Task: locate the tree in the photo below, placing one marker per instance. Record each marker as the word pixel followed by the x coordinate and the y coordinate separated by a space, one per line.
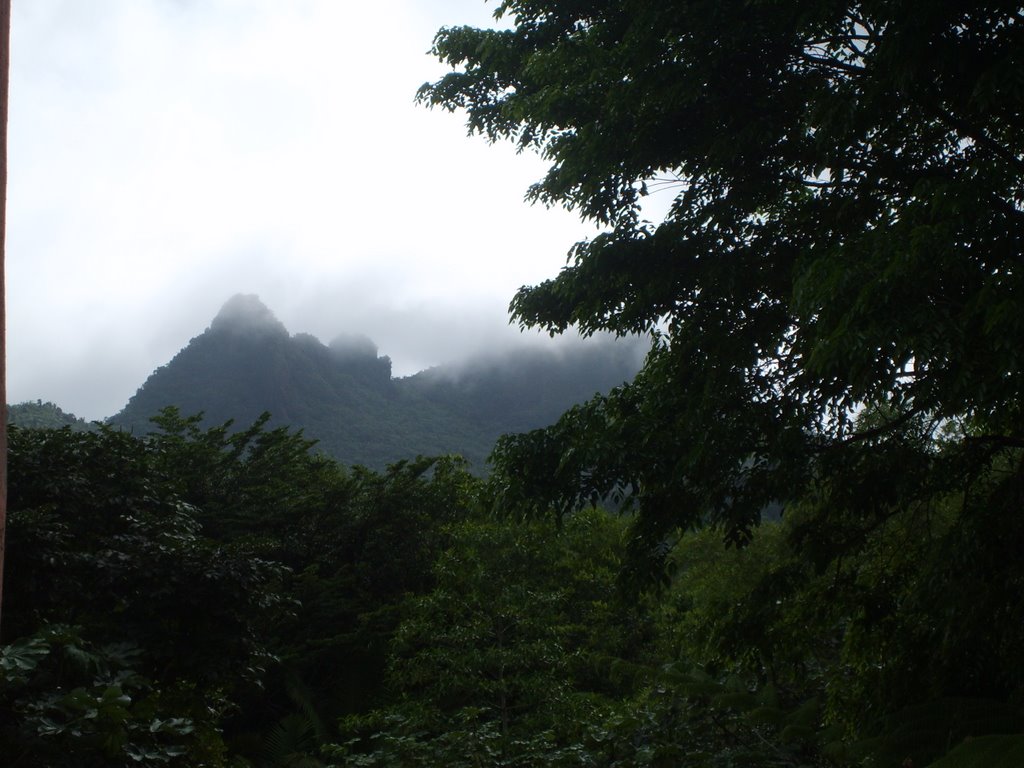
pixel 133 635
pixel 845 230
pixel 355 542
pixel 504 661
pixel 835 293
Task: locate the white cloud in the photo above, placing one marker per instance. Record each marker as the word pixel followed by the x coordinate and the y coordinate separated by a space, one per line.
pixel 166 154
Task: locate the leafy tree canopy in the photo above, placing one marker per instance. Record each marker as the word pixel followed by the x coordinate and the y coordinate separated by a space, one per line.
pixel 845 213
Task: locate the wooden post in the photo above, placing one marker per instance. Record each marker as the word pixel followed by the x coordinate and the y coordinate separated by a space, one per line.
pixel 5 80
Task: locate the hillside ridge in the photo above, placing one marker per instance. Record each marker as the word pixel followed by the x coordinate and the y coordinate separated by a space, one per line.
pixel 344 396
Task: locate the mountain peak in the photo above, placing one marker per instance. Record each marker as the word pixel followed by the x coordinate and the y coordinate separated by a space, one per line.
pixel 245 313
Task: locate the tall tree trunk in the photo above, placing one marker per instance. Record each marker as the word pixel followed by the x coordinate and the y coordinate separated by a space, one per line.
pixel 5 79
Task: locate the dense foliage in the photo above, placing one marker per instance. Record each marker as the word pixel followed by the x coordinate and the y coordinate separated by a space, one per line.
pixel 109 579
pixel 835 383
pixel 229 597
pixel 835 297
pixel 177 596
pixel 845 231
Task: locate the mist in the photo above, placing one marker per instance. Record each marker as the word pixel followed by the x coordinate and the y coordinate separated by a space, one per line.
pixel 161 162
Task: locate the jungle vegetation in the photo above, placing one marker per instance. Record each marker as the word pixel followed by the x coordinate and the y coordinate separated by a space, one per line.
pixel 817 477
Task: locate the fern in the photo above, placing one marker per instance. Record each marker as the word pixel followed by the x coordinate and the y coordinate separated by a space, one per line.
pixel 290 744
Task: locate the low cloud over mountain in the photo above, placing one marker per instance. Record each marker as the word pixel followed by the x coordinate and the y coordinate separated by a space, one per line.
pixel 344 394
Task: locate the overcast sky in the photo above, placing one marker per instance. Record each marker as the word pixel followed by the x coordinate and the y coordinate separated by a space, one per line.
pixel 167 154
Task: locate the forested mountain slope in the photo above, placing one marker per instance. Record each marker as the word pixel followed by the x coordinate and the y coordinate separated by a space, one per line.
pixel 343 394
pixel 40 415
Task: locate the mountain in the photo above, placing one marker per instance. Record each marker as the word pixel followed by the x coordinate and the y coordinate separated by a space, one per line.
pixel 343 394
pixel 40 415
